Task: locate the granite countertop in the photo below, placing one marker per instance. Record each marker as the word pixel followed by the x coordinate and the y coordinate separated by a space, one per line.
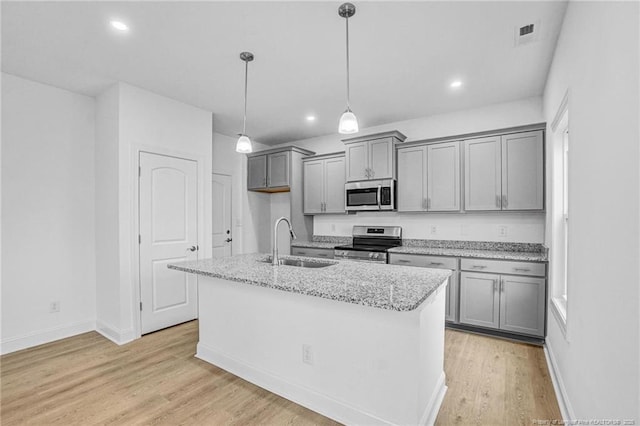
pixel 391 287
pixel 474 253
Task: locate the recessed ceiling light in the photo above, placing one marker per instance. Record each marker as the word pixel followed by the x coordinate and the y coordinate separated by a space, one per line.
pixel 311 118
pixel 119 25
pixel 456 84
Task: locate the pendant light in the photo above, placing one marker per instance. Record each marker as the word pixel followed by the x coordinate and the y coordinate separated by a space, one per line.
pixel 348 121
pixel 244 143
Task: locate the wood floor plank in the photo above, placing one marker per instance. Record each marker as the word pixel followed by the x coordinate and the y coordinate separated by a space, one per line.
pixel 156 380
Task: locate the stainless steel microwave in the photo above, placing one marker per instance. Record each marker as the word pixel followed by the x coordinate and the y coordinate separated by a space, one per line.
pixel 370 195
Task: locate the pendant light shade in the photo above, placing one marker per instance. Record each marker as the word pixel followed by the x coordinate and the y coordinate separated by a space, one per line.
pixel 348 122
pixel 244 143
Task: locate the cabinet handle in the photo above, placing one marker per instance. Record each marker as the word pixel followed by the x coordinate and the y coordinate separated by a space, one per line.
pixel 300 252
pixel 497 201
pixel 505 204
pixel 366 172
pixel 501 285
pixel 428 203
pixel 478 267
pixel 495 285
pixel 403 261
pixel 436 263
pixel 372 172
pixel 522 269
pixel 323 255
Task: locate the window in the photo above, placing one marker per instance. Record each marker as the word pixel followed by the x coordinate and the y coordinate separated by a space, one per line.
pixel 559 217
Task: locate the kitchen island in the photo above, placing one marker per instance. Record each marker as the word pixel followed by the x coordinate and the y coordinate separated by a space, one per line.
pixel 360 343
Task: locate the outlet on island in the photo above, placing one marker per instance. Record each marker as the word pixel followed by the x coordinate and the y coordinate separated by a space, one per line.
pixel 307 354
pixel 54 307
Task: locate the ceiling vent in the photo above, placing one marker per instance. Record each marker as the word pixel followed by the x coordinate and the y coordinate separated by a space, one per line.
pixel 527 33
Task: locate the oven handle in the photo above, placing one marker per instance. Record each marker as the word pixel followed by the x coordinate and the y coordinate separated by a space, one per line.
pixel 379 196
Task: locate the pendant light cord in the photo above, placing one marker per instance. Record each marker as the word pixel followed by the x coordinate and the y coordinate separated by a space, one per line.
pixel 348 104
pixel 246 72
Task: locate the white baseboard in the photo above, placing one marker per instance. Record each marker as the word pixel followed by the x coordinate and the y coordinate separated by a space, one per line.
pixel 431 412
pixel 309 398
pixel 119 337
pixel 36 338
pixel 563 398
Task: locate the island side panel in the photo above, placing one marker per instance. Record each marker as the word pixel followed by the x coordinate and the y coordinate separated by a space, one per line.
pixel 369 366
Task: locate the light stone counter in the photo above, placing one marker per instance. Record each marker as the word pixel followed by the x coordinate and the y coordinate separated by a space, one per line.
pixel 390 287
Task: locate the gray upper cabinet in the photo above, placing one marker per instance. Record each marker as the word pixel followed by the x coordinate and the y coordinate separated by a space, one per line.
pixel 371 157
pixel 278 169
pixel 257 172
pixel 324 178
pixel 270 170
pixel 504 172
pixel 412 179
pixel 429 177
pixel 522 171
pixel 482 174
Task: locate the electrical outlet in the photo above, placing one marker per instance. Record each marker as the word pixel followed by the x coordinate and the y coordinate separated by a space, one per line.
pixel 433 230
pixel 502 231
pixel 307 354
pixel 54 307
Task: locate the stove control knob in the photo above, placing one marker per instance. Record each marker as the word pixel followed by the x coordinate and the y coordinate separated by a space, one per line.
pixel 371 255
pixel 374 255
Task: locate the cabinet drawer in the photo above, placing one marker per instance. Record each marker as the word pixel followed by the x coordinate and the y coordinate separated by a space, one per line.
pixel 312 252
pixel 435 262
pixel 503 267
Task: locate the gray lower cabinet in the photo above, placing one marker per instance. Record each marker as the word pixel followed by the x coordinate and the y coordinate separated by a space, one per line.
pixel 513 303
pixel 436 262
pixel 312 252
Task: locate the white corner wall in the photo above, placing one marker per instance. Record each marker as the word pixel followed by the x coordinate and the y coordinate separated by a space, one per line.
pixel 521 227
pixel 48 231
pixel 250 226
pixel 596 60
pixel 134 120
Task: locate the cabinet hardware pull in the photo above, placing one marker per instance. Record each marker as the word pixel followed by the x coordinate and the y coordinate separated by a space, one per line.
pixel 404 261
pixel 478 266
pixel 522 269
pixel 373 172
pixel 497 201
pixel 428 203
pixel 505 204
pixel 436 263
pixel 495 285
pixel 501 285
pixel 323 255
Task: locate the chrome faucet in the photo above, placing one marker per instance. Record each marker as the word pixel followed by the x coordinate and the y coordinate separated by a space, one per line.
pixel 274 254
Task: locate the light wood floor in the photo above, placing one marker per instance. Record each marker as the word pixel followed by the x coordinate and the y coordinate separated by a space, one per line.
pixel 87 380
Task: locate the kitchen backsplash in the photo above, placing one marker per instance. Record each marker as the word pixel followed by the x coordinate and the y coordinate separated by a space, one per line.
pixel 502 227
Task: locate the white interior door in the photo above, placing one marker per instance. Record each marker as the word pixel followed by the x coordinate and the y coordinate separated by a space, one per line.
pixel 168 212
pixel 222 235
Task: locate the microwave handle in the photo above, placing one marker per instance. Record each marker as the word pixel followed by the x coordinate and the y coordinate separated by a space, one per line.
pixel 379 196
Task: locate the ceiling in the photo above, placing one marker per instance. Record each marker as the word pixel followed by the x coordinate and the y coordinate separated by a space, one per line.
pixel 404 55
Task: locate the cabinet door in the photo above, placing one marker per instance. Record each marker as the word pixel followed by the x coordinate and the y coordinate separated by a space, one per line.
pixel 278 170
pixel 482 174
pixel 334 185
pixel 412 179
pixel 443 177
pixel 257 172
pixel 357 158
pixel 522 304
pixel 479 299
pixel 313 176
pixel 451 309
pixel 381 158
pixel 522 171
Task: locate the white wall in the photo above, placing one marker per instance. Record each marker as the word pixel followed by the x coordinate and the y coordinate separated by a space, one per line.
pixel 596 60
pixel 250 227
pixel 149 122
pixel 521 227
pixel 47 213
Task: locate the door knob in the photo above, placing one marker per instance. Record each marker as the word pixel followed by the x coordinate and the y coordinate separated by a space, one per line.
pixel 193 248
pixel 228 240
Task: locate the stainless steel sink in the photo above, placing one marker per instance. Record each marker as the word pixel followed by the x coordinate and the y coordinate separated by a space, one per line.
pixel 300 263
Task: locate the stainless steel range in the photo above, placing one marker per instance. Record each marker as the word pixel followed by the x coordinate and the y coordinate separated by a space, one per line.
pixel 370 243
